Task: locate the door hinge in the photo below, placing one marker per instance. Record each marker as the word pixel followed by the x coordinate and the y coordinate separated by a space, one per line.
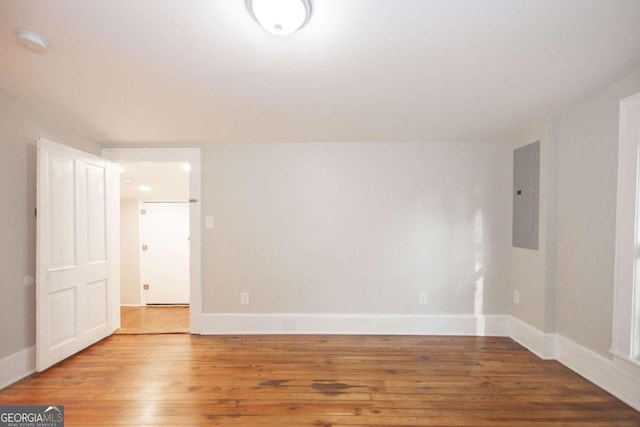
pixel 145 247
pixel 145 286
pixel 143 211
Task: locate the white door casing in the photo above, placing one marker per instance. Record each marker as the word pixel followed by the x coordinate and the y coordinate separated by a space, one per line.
pixel 164 264
pixel 77 251
pixel 626 335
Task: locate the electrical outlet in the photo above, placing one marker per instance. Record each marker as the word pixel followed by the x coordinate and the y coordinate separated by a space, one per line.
pixel 244 298
pixel 516 297
pixel 423 298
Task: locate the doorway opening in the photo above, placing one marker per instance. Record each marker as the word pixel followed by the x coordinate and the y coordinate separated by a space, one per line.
pixel 160 239
pixel 154 247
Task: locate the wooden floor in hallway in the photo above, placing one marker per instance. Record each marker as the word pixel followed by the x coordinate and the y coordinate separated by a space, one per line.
pixel 181 379
pixel 152 319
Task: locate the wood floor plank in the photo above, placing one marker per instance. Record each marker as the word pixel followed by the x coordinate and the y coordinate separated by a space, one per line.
pixel 154 320
pixel 169 380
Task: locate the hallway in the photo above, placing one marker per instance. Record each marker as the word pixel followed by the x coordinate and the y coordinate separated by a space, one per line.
pixel 154 320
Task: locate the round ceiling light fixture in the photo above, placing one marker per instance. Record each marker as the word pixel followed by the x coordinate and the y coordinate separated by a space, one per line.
pixel 32 41
pixel 280 17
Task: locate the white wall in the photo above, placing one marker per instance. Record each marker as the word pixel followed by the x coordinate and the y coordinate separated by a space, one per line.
pixel 355 228
pixel 130 252
pixel 588 150
pixel 567 285
pixel 20 125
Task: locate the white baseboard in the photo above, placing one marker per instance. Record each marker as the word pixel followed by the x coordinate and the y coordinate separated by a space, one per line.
pixel 539 343
pixel 131 305
pixel 16 366
pixel 622 379
pixel 617 376
pixel 352 324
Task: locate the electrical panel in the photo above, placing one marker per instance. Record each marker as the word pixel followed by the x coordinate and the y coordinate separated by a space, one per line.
pixel 526 195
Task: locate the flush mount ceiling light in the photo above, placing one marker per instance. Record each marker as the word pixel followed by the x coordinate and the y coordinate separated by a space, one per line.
pixel 31 41
pixel 280 17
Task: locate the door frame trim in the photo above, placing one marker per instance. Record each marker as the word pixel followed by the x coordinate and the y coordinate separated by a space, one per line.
pixel 191 155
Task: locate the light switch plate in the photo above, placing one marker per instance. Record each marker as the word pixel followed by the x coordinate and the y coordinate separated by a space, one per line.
pixel 208 222
pixel 423 298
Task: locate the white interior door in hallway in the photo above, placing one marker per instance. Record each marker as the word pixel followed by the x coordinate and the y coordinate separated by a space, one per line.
pixel 78 259
pixel 164 257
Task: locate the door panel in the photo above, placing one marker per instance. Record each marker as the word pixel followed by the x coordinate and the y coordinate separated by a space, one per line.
pixel 164 229
pixel 77 278
pixel 62 212
pixel 63 327
pixel 97 307
pixel 96 215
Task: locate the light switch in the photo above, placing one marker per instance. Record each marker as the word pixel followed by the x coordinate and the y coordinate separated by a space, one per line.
pixel 208 223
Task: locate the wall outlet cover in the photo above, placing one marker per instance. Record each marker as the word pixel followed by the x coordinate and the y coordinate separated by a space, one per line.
pixel 244 298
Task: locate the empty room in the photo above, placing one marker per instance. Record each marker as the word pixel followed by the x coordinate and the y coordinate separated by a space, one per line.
pixel 371 212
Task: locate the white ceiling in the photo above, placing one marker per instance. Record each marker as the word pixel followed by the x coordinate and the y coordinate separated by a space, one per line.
pixel 184 71
pixel 165 181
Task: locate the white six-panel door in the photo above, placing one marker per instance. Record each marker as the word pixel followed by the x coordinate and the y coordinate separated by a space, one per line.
pixel 77 252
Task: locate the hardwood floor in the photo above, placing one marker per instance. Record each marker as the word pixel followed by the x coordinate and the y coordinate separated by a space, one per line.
pixel 154 320
pixel 317 381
